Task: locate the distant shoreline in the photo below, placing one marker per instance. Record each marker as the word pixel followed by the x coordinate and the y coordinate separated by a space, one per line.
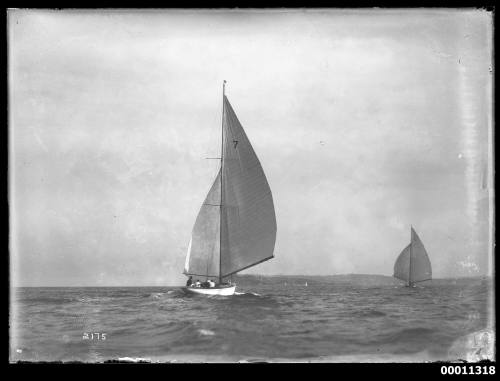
pixel 258 277
pixel 356 274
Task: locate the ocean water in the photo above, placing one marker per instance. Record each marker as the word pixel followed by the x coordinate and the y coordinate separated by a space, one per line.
pixel 339 318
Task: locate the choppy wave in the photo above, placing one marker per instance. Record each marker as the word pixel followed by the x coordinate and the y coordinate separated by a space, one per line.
pixel 206 332
pixel 265 321
pixel 246 293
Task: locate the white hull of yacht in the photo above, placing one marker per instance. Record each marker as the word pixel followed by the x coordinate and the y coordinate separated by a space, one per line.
pixel 223 291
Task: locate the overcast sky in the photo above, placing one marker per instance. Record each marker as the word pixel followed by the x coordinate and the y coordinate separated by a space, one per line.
pixel 365 122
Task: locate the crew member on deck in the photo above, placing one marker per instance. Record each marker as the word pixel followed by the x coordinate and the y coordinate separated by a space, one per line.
pixel 197 284
pixel 189 281
pixel 211 283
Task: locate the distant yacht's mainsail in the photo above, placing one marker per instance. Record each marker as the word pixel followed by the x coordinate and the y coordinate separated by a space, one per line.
pixel 413 264
pixel 236 225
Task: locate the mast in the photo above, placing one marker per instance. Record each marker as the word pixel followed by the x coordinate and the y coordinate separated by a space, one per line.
pixel 411 243
pixel 221 181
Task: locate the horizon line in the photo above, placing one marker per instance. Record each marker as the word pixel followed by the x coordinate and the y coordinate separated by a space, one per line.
pixel 254 275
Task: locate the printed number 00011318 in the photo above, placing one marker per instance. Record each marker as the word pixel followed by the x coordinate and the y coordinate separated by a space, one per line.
pixel 468 369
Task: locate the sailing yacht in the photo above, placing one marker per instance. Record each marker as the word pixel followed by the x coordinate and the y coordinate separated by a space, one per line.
pixel 236 225
pixel 413 264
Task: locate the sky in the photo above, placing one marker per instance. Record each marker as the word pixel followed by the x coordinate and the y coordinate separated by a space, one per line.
pixel 366 122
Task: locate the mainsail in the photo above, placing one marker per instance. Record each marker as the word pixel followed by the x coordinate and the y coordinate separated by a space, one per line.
pixel 248 219
pixel 236 226
pixel 413 264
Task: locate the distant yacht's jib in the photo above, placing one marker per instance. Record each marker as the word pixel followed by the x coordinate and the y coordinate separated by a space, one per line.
pixel 413 264
pixel 236 225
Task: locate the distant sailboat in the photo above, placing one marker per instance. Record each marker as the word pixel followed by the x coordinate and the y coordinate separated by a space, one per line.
pixel 236 225
pixel 413 264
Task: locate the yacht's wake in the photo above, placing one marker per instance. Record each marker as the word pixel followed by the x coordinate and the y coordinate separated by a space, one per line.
pixel 246 293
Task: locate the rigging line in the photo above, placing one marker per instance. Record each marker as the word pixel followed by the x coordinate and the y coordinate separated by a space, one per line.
pixel 246 267
pixel 213 142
